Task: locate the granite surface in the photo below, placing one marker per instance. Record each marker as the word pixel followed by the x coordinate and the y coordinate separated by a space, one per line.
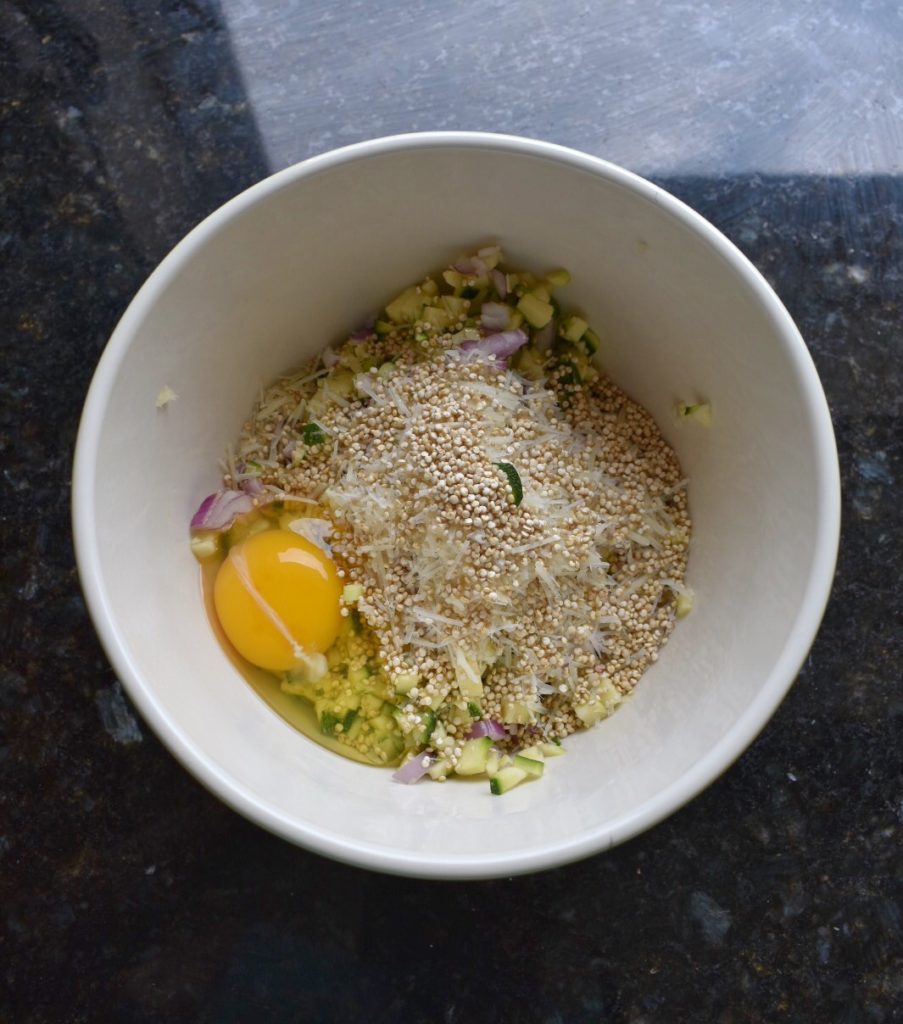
pixel 127 892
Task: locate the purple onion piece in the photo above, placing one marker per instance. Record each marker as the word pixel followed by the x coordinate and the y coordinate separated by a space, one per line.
pixel 472 267
pixel 494 316
pixel 487 727
pixel 252 485
pixel 329 358
pixel 365 330
pixel 501 283
pixel 219 511
pixel 497 346
pixel 411 772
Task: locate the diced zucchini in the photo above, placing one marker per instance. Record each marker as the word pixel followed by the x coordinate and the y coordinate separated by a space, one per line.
pixel 358 676
pixel 383 327
pixel 474 756
pixel 526 282
pixel 454 280
pixel 352 593
pixel 529 362
pixel 505 779
pixel 536 312
pixel 592 712
pixel 426 728
pixel 205 545
pixel 407 307
pixel 701 412
pixel 436 317
pixel 439 735
pixel 542 293
pixel 493 762
pixel 515 712
pixel 354 730
pixel 573 328
pixel 330 721
pixel 590 342
pixel 552 749
pixel 439 769
pixel 683 604
pixel 405 682
pixel 530 765
pixel 490 255
pixel 341 383
pixel 456 306
pixel 299 687
pixel 558 278
pixel 429 288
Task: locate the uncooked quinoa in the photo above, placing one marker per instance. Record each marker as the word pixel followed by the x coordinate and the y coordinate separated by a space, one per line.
pixel 509 528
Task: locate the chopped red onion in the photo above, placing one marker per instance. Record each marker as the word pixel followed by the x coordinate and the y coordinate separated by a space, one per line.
pixel 414 769
pixel 365 330
pixel 219 511
pixel 500 281
pixel 252 485
pixel 487 727
pixel 329 357
pixel 473 266
pixel 498 346
pixel 494 316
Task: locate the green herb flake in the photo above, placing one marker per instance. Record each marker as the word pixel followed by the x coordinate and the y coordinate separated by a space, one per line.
pixel 514 481
pixel 313 434
pixel 328 722
pixel 473 709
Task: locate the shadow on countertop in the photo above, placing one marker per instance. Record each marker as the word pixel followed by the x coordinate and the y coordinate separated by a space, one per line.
pixel 128 893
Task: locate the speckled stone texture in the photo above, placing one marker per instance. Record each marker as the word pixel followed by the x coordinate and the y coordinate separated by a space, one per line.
pixel 127 892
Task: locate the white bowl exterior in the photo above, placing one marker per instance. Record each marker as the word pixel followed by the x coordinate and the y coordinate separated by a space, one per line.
pixel 295 263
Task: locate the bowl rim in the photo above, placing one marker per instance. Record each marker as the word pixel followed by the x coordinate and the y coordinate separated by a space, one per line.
pixel 374 856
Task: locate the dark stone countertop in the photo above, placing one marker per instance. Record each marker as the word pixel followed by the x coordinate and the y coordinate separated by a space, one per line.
pixel 127 892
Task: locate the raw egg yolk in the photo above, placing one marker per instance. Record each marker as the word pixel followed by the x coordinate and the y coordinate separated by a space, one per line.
pixel 277 598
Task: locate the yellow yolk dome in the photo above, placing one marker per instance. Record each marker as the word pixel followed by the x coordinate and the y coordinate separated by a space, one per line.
pixel 277 596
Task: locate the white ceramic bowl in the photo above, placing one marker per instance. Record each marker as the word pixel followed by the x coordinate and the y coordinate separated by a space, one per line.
pixel 297 261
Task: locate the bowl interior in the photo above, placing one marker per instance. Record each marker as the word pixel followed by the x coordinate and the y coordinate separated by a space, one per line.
pixel 297 263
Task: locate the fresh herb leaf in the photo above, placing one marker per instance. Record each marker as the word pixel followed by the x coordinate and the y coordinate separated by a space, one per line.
pixel 328 722
pixel 473 709
pixel 514 481
pixel 313 434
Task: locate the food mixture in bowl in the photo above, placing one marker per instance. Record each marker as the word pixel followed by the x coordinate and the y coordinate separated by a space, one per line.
pixel 451 534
